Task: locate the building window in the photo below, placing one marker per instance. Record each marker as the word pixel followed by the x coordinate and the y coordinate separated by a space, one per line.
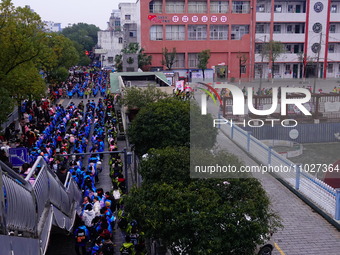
pixel 260 8
pixel 277 29
pixel 110 59
pixel 258 48
pixel 179 63
pixel 277 8
pixel 331 48
pixel 288 48
pixel 175 32
pixel 241 7
pixel 156 33
pixel 332 28
pixel 117 23
pixel 290 8
pixel 219 6
pixel 334 8
pixel 243 69
pixel 132 33
pixel 197 7
pixel 197 32
pixel 260 28
pixel 276 69
pixel 155 7
pixel 127 17
pixel 330 68
pixel 238 31
pixel 174 7
pixel 289 29
pixel 287 71
pixel 120 40
pixel 218 32
pixel 193 60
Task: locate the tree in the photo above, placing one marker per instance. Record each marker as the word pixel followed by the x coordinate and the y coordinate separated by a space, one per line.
pixel 213 216
pixel 272 51
pixel 160 124
pixel 169 58
pixel 203 59
pixel 167 122
pixel 119 63
pixel 137 98
pixel 85 37
pixel 58 56
pixel 144 60
pixel 167 165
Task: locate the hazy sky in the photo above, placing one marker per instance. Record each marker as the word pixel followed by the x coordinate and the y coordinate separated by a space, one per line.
pixel 95 12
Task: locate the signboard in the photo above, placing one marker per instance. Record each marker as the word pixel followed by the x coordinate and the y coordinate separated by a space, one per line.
pixel 100 51
pixel 18 156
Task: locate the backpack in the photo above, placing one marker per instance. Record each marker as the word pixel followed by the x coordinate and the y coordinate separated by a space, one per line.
pixel 81 236
pixel 116 194
pixel 108 248
pixel 126 250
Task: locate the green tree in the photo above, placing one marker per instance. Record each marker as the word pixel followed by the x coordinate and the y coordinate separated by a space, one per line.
pixel 85 38
pixel 59 55
pixel 272 51
pixel 161 124
pixel 205 216
pixel 169 58
pixel 137 98
pixel 167 165
pixel 144 60
pixel 203 59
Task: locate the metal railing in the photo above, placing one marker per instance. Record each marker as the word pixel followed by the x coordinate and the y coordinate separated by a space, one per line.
pixel 29 207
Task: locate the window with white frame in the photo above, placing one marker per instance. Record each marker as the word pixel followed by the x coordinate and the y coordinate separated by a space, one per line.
pixel 219 6
pixel 238 31
pixel 290 8
pixel 277 29
pixel 278 8
pixel 174 6
pixel 241 7
pixel 289 29
pixel 127 17
pixel 197 32
pixel 260 8
pixel 175 32
pixel 288 48
pixel 197 6
pixel 243 69
pixel 334 8
pixel 179 63
pixel 120 40
pixel 218 32
pixel 276 69
pixel 193 60
pixel 260 28
pixel 258 48
pixel 330 68
pixel 332 28
pixel 155 6
pixel 156 33
pixel 287 71
pixel 331 48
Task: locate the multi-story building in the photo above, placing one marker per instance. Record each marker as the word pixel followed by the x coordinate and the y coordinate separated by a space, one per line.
pixel 121 30
pixel 51 26
pixel 235 32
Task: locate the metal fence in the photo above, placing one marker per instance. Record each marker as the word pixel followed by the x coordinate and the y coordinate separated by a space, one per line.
pixel 29 207
pixel 321 194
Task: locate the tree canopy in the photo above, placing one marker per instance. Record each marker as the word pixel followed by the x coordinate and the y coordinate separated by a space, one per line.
pixel 203 59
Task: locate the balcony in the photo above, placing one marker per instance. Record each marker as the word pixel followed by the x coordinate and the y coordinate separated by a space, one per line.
pixel 289 37
pixel 334 56
pixel 334 37
pixel 291 57
pixel 335 17
pixel 262 17
pixel 290 17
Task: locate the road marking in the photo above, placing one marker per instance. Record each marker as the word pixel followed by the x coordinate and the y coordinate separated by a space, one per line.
pixel 279 249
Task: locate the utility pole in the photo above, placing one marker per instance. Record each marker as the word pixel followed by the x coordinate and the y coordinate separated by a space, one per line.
pixel 262 55
pixel 317 64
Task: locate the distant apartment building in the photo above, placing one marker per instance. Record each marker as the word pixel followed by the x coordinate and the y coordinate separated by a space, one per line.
pixel 51 26
pixel 235 32
pixel 121 30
